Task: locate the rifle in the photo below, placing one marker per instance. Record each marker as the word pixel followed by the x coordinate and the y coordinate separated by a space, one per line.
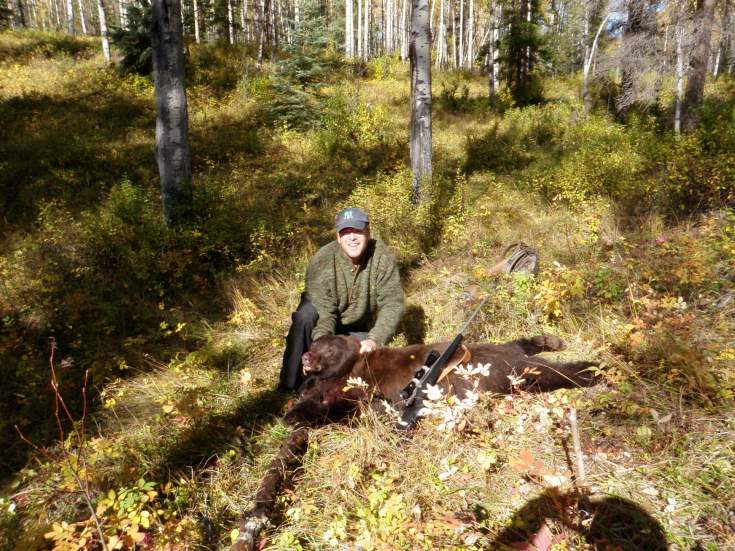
pixel 415 393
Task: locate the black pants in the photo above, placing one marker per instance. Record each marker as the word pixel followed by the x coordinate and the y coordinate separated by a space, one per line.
pixel 298 341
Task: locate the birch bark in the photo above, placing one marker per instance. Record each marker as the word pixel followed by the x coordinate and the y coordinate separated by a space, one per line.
pixel 420 55
pixel 103 30
pixel 230 23
pixel 70 16
pixel 81 16
pixel 587 66
pixel 678 34
pixel 349 30
pixel 197 37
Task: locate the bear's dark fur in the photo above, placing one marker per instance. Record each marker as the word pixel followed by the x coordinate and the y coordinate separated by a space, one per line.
pixel 333 359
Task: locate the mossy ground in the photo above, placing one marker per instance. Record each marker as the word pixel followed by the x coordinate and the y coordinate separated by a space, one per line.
pixel 183 331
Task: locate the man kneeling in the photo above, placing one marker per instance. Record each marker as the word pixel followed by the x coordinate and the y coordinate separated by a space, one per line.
pixel 353 287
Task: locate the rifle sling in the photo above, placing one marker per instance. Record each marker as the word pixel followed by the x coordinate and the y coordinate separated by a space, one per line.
pixel 466 357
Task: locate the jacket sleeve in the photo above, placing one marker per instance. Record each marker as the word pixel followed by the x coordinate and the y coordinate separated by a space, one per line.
pixel 321 292
pixel 390 301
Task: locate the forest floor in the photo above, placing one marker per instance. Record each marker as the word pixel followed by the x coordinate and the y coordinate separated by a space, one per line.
pixel 183 332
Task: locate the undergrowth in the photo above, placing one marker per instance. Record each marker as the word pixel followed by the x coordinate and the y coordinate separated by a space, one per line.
pixel 182 331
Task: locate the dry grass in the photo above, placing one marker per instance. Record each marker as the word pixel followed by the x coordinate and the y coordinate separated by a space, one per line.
pixel 208 420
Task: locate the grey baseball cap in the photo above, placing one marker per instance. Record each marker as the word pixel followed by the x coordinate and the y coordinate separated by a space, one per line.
pixel 351 218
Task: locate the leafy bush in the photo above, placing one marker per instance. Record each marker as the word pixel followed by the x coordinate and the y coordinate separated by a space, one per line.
pixel 386 67
pixel 411 231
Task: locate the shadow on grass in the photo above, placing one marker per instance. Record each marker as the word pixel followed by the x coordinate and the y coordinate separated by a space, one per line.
pixel 70 149
pixel 606 522
pixel 199 445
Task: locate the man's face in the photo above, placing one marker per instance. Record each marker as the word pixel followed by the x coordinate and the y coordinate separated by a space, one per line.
pixel 353 242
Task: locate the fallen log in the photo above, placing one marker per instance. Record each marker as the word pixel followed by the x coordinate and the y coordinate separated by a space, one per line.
pixel 289 458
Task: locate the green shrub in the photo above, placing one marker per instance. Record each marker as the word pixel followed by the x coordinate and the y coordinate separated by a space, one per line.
pixel 409 230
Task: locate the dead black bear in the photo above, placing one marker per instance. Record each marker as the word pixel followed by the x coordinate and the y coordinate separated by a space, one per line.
pixel 333 359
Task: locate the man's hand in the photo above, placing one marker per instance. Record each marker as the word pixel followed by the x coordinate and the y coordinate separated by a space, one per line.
pixel 368 345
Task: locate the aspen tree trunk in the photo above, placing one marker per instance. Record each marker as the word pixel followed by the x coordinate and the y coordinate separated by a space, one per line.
pixel 244 20
pixel 698 63
pixel 349 30
pixel 70 16
pixel 261 30
pixel 404 30
pixel 123 14
pixel 57 13
pixel 366 30
pixel 420 55
pixel 527 67
pixel 492 80
pixel 103 30
pixel 359 30
pixel 716 65
pixel 230 23
pixel 471 36
pixel 394 25
pixel 81 16
pixel 461 33
pixel 172 120
pixel 441 55
pixel 496 40
pixel 453 17
pixel 587 65
pixel 586 31
pixel 678 32
pixel 20 19
pixel 267 22
pixel 195 8
pixel 297 13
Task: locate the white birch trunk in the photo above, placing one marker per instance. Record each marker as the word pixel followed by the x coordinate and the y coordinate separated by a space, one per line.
pixel 123 14
pixel 588 64
pixel 453 17
pixel 81 16
pixel 57 13
pixel 471 36
pixel 366 29
pixel 678 32
pixel 461 34
pixel 496 38
pixel 172 121
pixel 244 20
pixel 349 30
pixel 359 30
pixel 261 30
pixel 420 54
pixel 230 23
pixel 197 36
pixel 103 30
pixel 70 16
pixel 441 46
pixel 716 65
pixel 404 30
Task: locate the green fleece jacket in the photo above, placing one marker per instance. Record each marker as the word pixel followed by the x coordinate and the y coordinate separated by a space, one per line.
pixel 369 294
